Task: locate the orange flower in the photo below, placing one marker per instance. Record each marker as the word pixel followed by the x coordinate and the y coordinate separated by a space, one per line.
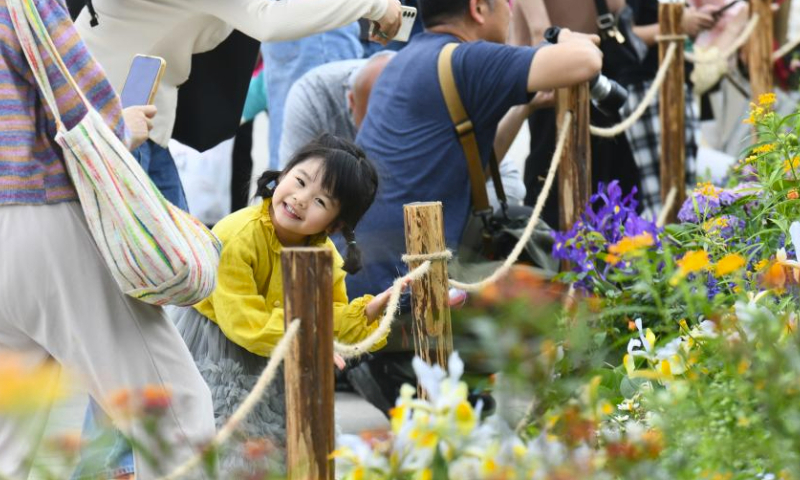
pixel 729 264
pixel 631 245
pixel 793 195
pixel 155 398
pixel 775 277
pixel 691 262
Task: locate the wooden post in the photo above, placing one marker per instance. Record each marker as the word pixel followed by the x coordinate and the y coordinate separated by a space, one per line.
pixel 308 295
pixel 759 49
pixel 575 169
pixel 672 108
pixel 433 333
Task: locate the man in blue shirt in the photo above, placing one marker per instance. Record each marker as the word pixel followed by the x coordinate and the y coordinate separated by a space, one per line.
pixel 408 132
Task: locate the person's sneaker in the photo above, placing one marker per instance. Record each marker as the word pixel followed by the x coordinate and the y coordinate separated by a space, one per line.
pixel 360 377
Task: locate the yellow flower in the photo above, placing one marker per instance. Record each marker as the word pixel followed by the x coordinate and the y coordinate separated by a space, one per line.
pixel 791 165
pixel 465 418
pixel 693 262
pixel 766 99
pixel 766 148
pixel 690 263
pixel 25 390
pixel 729 263
pixel 756 113
pixel 631 245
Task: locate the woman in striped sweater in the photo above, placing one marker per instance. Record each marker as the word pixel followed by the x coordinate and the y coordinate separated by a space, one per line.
pixel 58 302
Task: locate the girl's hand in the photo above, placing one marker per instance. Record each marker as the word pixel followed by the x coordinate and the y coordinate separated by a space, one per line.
pixel 378 304
pixel 139 121
pixel 338 361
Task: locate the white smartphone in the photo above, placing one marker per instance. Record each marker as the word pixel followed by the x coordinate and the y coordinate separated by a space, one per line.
pixel 408 15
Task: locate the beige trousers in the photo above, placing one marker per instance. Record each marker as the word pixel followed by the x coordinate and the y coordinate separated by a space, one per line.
pixel 59 302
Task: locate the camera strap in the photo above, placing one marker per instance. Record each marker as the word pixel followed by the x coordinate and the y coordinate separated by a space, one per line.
pixel 466 136
pixel 607 22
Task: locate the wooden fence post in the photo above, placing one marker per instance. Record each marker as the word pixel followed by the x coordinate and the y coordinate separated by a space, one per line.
pixel 308 295
pixel 672 108
pixel 575 169
pixel 759 49
pixel 433 333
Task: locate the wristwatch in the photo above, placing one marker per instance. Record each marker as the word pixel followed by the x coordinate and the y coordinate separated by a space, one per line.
pixel 551 34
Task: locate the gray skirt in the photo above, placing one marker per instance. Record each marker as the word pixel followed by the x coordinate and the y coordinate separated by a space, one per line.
pixel 231 372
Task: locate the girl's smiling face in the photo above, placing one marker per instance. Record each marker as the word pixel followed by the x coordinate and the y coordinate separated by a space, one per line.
pixel 301 207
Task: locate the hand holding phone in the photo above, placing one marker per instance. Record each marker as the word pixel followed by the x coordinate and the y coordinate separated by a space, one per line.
pixel 142 81
pixel 408 15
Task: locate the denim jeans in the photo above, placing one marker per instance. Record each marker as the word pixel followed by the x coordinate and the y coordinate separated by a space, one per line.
pixel 109 452
pixel 160 166
pixel 285 62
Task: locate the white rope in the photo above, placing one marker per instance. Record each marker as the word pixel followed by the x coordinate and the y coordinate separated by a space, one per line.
pixel 537 211
pixel 786 48
pixel 266 377
pixel 389 314
pixel 662 217
pixel 646 101
pixel 736 45
pixel 423 257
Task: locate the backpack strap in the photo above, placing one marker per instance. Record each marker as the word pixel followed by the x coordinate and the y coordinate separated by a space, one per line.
pixel 466 136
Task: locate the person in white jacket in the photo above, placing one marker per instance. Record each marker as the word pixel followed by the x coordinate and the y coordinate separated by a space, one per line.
pixel 116 30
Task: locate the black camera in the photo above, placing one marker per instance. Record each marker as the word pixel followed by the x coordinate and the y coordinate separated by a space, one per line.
pixel 607 95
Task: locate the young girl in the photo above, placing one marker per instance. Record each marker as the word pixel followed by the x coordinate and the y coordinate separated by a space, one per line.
pixel 327 187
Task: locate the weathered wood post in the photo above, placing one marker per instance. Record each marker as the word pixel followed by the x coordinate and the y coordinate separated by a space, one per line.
pixel 759 49
pixel 575 169
pixel 308 295
pixel 672 108
pixel 433 333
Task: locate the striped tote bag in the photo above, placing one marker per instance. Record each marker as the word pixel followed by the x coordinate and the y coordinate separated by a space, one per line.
pixel 156 252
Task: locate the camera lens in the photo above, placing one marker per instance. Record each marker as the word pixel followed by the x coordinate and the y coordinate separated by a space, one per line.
pixel 608 96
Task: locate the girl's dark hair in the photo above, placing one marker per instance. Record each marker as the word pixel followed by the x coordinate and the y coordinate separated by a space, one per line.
pixel 349 177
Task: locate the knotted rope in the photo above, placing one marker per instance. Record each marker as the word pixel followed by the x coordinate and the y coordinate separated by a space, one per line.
pixel 264 380
pixel 646 101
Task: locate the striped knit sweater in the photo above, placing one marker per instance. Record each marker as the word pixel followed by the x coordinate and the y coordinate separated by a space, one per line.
pixel 31 165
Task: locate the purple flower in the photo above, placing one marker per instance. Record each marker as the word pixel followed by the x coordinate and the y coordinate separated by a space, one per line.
pixel 608 217
pixel 707 200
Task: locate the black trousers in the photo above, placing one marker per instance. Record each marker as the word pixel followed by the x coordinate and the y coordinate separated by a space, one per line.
pixel 611 160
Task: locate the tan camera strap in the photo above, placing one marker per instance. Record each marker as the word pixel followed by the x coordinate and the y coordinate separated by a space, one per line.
pixel 466 135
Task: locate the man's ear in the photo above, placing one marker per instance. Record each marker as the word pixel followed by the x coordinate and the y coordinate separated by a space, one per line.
pixel 477 11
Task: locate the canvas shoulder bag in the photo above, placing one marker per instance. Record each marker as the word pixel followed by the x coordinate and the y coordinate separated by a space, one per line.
pixel 489 234
pixel 156 252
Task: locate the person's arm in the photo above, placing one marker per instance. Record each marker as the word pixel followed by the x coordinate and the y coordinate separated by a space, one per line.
pixel 350 322
pixel 528 22
pixel 509 126
pixel 240 310
pixel 272 21
pixel 301 122
pixel 574 59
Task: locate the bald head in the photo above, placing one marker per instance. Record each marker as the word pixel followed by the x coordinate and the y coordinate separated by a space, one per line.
pixel 361 84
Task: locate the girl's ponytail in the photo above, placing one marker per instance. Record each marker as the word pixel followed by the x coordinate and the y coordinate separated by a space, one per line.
pixel 266 179
pixel 352 259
